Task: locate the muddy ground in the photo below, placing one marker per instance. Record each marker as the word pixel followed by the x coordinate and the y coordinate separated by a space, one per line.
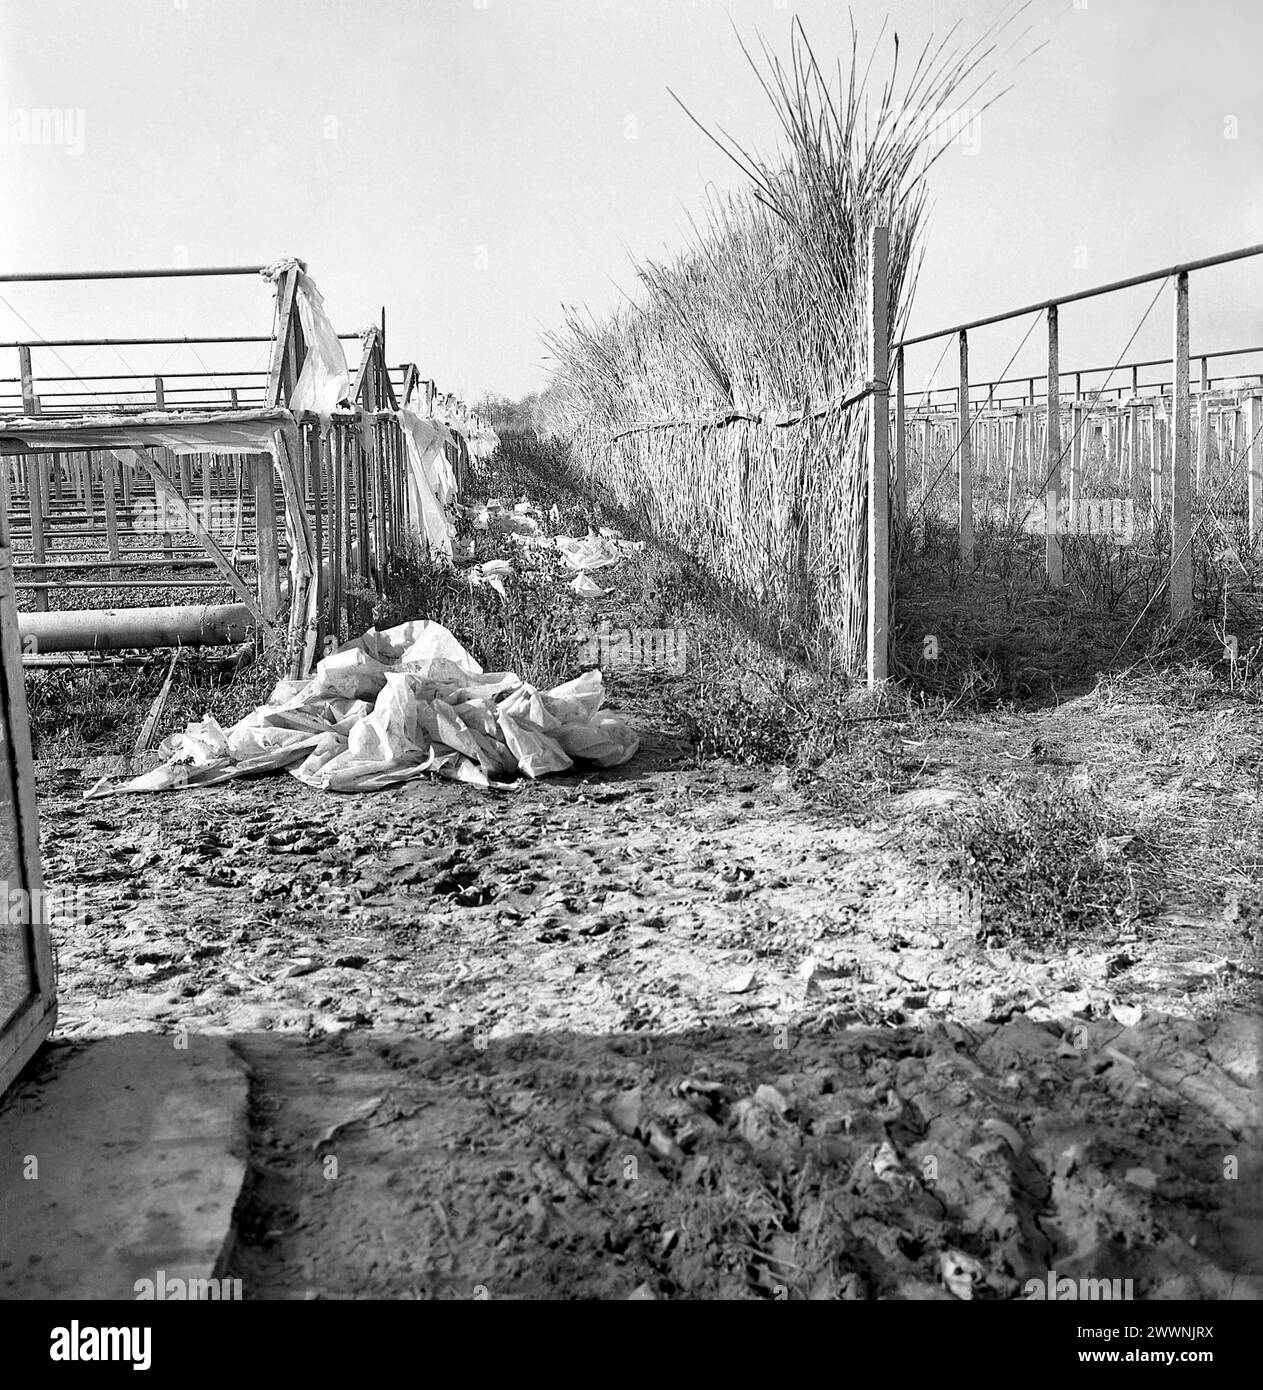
pixel 671 1031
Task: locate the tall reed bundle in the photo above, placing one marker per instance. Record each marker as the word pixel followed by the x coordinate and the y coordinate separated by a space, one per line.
pixel 765 314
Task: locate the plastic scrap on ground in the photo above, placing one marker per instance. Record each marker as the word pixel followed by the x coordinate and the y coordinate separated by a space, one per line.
pixel 586 588
pixel 521 523
pixel 491 573
pixel 389 707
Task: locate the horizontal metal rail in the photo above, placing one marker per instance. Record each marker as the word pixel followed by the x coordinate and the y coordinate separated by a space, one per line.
pixel 1030 378
pixel 147 342
pixel 1107 397
pixel 138 376
pixel 167 273
pixel 46 585
pixel 116 563
pixel 1183 268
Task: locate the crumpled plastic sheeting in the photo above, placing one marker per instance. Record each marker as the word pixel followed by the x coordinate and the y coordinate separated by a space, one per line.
pixel 483 441
pixel 491 572
pixel 518 520
pixel 586 588
pixel 324 380
pixel 431 482
pixel 594 552
pixel 392 706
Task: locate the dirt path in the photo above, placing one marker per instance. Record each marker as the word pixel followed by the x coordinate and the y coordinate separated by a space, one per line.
pixel 669 1032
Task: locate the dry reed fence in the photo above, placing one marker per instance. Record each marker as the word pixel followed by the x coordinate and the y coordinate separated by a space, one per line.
pixel 726 404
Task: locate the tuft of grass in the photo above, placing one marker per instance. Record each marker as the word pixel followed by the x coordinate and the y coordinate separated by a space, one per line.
pixel 98 711
pixel 1047 862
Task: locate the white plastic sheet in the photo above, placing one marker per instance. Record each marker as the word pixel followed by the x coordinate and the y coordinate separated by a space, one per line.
pixel 586 587
pixel 593 552
pixel 390 707
pixel 324 380
pixel 431 484
pixel 493 573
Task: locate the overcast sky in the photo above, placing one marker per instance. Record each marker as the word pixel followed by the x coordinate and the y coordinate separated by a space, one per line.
pixel 473 164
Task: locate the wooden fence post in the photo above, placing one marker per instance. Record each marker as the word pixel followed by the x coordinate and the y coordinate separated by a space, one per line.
pixel 1052 457
pixel 925 459
pixel 314 446
pixel 109 471
pixel 1076 466
pixel 1203 431
pixel 901 443
pixel 1181 514
pixel 878 635
pixel 965 456
pixel 1013 441
pixel 265 547
pixel 37 501
pixel 336 490
pixel 30 404
pixel 1254 466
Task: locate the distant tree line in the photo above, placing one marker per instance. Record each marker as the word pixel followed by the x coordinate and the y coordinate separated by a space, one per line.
pixel 509 416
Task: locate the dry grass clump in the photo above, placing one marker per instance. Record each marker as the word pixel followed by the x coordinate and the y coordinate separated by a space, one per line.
pixel 760 321
pixel 1040 857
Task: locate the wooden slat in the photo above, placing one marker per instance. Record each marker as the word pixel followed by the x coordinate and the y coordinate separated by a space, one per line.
pixel 336 489
pixel 267 559
pixel 36 497
pixel 109 469
pixel 31 1021
pixel 901 440
pixel 286 293
pixel 1076 463
pixel 6 501
pixel 1254 423
pixel 30 405
pixel 316 489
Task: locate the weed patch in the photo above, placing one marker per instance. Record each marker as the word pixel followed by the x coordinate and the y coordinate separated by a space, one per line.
pixel 1047 863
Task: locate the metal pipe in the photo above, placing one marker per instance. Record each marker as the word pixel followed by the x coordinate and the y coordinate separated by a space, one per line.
pixel 143 342
pixel 113 629
pixel 138 583
pixel 139 376
pixel 80 663
pixel 115 562
pixel 168 273
pixel 1183 268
